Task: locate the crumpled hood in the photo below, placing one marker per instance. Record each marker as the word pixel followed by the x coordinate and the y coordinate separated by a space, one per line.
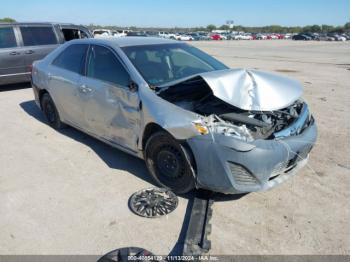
pixel 253 89
pixel 249 89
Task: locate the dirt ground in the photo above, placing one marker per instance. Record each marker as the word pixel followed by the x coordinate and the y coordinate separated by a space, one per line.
pixel 67 193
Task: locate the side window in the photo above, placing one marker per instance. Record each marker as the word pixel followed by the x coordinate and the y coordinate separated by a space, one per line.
pixel 38 35
pixel 70 34
pixel 72 58
pixel 103 65
pixel 7 37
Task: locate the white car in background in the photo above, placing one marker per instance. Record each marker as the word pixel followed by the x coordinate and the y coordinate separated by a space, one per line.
pixel 183 37
pixel 242 37
pixel 288 36
pixel 340 38
pixel 167 35
pixel 122 33
pixel 103 33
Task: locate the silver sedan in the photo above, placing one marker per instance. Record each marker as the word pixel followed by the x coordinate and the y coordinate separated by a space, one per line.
pixel 196 123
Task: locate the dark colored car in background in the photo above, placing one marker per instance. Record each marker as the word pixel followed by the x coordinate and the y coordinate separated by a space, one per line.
pixel 302 37
pixel 23 43
pixel 134 33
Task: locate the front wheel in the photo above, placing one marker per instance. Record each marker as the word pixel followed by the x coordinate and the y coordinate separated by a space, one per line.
pixel 169 163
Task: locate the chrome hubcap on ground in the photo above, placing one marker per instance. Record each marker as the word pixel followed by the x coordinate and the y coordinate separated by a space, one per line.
pixel 153 202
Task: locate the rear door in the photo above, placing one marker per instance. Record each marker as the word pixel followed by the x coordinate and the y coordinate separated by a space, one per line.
pixel 111 108
pixel 37 42
pixel 64 76
pixel 11 59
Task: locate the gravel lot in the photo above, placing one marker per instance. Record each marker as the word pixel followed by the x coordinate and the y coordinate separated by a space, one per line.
pixel 67 193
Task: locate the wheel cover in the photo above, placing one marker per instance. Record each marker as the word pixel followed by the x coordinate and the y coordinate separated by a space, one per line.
pixel 153 202
pixel 123 254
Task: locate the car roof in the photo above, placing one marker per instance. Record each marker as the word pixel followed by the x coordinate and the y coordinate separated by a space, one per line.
pixel 126 41
pixel 39 23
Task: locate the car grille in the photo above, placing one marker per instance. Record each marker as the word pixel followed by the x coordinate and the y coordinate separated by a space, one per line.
pixel 242 176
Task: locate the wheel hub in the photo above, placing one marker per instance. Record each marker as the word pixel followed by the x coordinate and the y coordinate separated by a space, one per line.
pixel 168 163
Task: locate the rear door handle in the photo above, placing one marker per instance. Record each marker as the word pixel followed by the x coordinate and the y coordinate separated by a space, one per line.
pixel 28 52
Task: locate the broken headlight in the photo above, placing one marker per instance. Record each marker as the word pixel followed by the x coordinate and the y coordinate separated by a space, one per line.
pixel 239 132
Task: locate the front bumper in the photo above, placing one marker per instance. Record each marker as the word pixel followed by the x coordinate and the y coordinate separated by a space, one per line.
pixel 231 166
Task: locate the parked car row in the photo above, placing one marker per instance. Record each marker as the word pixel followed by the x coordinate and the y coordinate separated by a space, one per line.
pixel 203 36
pixel 23 43
pixel 322 37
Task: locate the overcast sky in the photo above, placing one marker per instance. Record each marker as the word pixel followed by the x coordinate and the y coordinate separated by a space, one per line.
pixel 171 13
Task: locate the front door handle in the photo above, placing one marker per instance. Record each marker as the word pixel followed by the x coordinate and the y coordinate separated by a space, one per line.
pixel 28 52
pixel 14 53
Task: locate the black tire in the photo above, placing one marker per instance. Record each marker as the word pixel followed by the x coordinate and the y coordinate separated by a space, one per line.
pixel 169 163
pixel 50 112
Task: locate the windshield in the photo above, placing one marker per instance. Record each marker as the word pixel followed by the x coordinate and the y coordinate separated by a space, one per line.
pixel 163 63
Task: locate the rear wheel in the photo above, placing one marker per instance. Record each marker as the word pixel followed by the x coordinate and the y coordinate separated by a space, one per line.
pixel 169 163
pixel 51 112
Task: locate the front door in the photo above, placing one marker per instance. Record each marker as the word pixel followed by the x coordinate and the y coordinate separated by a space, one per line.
pixel 111 109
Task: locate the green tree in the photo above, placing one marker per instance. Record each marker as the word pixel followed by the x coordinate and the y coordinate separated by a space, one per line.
pixel 327 28
pixel 224 27
pixel 240 28
pixel 7 20
pixel 347 26
pixel 211 27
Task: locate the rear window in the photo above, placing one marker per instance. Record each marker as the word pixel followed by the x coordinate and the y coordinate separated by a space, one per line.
pixel 38 35
pixel 7 37
pixel 72 58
